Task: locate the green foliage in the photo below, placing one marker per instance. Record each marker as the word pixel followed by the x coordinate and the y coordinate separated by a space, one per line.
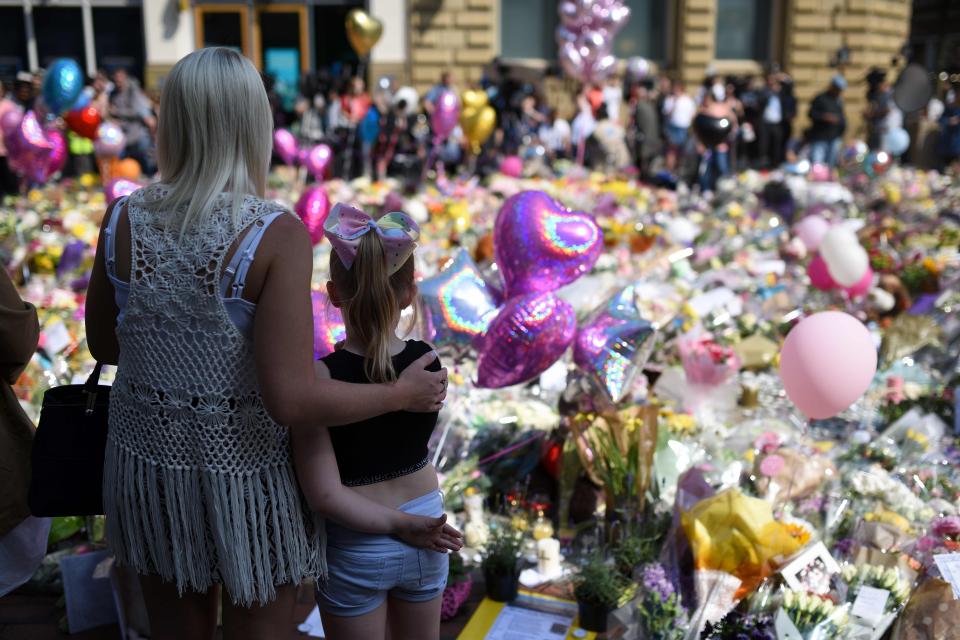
pixel 502 551
pixel 634 551
pixel 599 583
pixel 457 572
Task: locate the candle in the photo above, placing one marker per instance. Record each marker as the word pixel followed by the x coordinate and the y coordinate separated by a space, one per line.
pixel 548 556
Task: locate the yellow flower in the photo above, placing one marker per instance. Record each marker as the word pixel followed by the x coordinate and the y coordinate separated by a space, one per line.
pixel 735 210
pixel 930 265
pixel 918 437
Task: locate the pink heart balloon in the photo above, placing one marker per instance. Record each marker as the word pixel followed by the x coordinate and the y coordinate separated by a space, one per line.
pixel 313 207
pixel 541 246
pixel 58 155
pixel 285 146
pixel 317 159
pixel 328 327
pixel 529 334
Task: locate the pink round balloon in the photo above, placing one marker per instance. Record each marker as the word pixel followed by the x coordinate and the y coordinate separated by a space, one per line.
pixel 819 274
pixel 446 115
pixel 863 286
pixel 10 121
pixel 511 166
pixel 827 362
pixel 811 231
pixel 110 140
pixel 317 159
pixel 313 207
pixel 328 328
pixel 820 173
pixel 119 187
pixel 529 334
pixel 541 246
pixel 285 146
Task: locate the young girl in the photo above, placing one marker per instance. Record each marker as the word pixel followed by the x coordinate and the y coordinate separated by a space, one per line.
pixel 375 580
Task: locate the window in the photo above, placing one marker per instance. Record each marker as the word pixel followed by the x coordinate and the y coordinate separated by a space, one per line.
pixel 59 32
pixel 743 30
pixel 118 38
pixel 527 29
pixel 13 44
pixel 644 34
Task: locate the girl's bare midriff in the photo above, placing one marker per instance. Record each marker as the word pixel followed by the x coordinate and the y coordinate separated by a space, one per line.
pixel 393 493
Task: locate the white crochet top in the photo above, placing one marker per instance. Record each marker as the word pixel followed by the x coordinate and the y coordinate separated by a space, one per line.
pixel 198 482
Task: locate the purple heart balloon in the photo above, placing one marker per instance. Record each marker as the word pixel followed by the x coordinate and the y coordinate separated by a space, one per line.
pixel 529 334
pixel 328 327
pixel 58 155
pixel 446 114
pixel 541 246
pixel 313 207
pixel 285 146
pixel 317 159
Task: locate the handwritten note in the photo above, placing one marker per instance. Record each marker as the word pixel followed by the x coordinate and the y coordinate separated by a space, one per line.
pixel 870 603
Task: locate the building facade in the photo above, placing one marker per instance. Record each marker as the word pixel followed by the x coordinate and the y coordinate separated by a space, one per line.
pixel 810 39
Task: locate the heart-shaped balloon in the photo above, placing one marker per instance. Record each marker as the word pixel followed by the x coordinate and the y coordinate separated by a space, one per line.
pixel 458 304
pixel 473 99
pixel 313 207
pixel 84 122
pixel 328 327
pixel 529 334
pixel 541 246
pixel 119 187
pixel 58 154
pixel 478 125
pixel 317 159
pixel 363 31
pixel 615 344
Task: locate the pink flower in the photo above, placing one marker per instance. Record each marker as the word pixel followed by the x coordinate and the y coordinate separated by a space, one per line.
pixel 948 527
pixel 767 442
pixel 894 391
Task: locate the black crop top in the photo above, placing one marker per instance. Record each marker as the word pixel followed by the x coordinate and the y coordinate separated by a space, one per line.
pixel 387 446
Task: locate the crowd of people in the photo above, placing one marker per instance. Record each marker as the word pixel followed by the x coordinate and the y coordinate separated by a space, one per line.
pixel 644 124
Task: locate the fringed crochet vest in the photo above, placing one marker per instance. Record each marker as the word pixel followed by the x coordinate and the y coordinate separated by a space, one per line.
pixel 198 483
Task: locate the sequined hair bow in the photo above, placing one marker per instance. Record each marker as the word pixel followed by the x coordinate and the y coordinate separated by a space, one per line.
pixel 346 225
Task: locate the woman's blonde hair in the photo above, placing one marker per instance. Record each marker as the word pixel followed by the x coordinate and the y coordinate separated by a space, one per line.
pixel 370 300
pixel 214 133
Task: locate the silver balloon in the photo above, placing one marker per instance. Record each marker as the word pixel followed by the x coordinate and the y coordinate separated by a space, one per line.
pixel 615 344
pixel 458 305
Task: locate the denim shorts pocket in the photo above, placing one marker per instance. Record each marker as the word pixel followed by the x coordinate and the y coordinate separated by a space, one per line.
pixel 433 567
pixel 356 578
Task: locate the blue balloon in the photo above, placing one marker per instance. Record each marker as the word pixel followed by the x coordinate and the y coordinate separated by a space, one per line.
pixel 62 85
pixel 896 141
pixel 369 127
pixel 83 100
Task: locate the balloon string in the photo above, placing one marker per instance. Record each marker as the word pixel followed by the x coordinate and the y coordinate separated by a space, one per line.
pixel 430 158
pixel 510 449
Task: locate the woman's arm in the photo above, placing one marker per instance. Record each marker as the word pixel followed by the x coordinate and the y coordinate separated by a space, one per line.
pixel 101 308
pixel 319 477
pixel 283 345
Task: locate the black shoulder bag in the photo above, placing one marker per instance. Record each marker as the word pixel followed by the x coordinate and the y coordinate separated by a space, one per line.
pixel 68 450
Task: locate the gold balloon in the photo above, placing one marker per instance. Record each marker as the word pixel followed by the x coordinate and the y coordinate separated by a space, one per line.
pixel 756 352
pixel 473 99
pixel 363 31
pixel 477 125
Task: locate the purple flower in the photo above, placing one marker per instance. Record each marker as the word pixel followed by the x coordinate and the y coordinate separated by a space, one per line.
pixel 948 527
pixel 845 547
pixel 655 580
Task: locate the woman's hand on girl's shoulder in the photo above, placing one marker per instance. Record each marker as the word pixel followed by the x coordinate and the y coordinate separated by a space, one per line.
pixel 420 390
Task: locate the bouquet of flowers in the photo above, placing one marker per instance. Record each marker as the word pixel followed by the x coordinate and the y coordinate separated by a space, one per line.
pixel 706 362
pixel 661 616
pixel 814 614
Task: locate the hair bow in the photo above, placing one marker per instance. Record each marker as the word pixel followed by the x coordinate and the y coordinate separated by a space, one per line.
pixel 346 225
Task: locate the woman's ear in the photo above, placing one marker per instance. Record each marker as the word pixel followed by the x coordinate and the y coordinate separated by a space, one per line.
pixel 332 294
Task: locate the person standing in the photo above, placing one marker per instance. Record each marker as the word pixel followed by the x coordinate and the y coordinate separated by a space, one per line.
pixel 829 123
pixel 647 142
pixel 715 160
pixel 200 294
pixel 131 108
pixel 772 125
pixel 433 96
pixel 554 135
pixel 679 110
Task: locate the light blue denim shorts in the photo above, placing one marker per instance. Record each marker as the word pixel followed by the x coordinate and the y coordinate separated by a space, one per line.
pixel 364 568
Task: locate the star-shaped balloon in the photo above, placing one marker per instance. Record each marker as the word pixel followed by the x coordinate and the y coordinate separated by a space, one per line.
pixel 614 344
pixel 458 305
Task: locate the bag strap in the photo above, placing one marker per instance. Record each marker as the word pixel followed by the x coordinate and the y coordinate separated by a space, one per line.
pixel 91 388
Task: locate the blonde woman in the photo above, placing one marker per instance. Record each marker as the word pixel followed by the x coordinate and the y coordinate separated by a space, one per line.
pixel 201 294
